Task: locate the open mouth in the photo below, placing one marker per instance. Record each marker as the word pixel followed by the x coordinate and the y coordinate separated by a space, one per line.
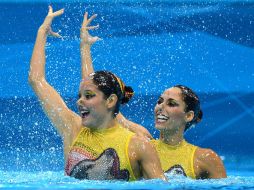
pixel 160 118
pixel 84 112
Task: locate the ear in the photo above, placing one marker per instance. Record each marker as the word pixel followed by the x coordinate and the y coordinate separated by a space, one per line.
pixel 111 101
pixel 189 116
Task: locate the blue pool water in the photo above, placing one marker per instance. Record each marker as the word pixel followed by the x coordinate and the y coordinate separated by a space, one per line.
pixel 207 45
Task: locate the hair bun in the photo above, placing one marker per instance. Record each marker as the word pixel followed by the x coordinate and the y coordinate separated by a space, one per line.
pixel 128 93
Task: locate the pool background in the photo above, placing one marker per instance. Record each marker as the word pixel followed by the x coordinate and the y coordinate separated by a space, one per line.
pixel 151 45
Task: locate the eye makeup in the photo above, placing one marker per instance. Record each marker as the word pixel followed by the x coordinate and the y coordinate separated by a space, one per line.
pixel 172 102
pixel 89 94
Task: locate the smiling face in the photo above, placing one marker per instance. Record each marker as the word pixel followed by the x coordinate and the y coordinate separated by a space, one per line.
pixel 170 110
pixel 92 105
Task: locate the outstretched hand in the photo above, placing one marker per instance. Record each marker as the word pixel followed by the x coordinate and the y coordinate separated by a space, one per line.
pixel 85 37
pixel 46 26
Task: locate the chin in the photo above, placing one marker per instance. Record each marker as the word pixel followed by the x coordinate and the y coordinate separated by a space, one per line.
pixel 86 123
pixel 164 126
pixel 90 125
pixel 159 126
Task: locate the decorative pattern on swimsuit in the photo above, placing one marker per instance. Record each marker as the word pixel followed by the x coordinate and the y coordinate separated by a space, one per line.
pixel 177 159
pixel 105 167
pixel 100 155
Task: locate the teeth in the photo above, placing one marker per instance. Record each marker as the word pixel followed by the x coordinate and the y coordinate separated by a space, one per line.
pixel 162 117
pixel 83 110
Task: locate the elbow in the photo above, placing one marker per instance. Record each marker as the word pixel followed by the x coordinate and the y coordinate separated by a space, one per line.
pixel 30 79
pixel 33 80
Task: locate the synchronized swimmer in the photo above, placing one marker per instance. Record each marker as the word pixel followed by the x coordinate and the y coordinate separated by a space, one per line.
pixel 100 143
pixel 96 146
pixel 177 109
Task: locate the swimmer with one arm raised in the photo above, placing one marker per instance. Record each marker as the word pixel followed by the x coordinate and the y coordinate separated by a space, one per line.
pixel 96 146
pixel 87 68
pixel 177 109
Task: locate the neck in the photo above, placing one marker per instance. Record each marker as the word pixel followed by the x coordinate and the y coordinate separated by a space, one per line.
pixel 110 123
pixel 171 137
pixel 106 123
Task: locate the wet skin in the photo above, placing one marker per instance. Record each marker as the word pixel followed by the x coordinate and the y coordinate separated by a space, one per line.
pixel 92 105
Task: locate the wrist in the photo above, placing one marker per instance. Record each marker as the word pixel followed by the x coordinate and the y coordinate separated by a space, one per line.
pixel 85 44
pixel 42 30
pixel 85 47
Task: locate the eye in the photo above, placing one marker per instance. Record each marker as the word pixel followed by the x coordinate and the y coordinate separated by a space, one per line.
pixel 89 95
pixel 160 100
pixel 172 103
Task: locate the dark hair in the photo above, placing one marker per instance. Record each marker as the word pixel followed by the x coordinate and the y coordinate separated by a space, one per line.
pixel 109 84
pixel 192 103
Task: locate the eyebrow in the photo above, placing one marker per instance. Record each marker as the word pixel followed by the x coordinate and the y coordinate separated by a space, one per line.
pixel 87 91
pixel 173 100
pixel 90 92
pixel 170 99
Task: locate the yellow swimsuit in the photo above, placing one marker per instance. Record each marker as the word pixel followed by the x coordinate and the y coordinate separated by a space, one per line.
pixel 176 159
pixel 101 155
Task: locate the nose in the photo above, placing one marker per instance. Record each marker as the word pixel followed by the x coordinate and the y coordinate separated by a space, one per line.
pixel 159 107
pixel 80 101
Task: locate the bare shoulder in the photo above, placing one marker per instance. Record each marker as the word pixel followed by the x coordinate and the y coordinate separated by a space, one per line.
pixel 144 159
pixel 138 141
pixel 141 147
pixel 204 154
pixel 208 164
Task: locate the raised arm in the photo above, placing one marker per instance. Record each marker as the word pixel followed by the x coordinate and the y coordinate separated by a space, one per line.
pixel 86 41
pixel 87 67
pixel 55 108
pixel 208 165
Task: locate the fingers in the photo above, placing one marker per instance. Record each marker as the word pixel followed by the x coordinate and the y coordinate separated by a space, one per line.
pixel 50 9
pixel 97 38
pixel 91 19
pixel 58 13
pixel 46 25
pixel 87 21
pixel 92 27
pixel 84 24
pixel 86 28
pixel 55 14
pixel 55 34
pixel 85 16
